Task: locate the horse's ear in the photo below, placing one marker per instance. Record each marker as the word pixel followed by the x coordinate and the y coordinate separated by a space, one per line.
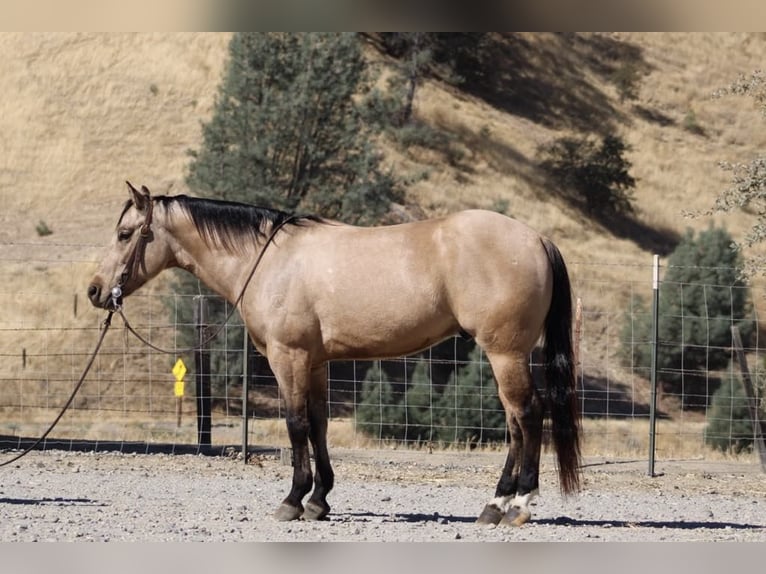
pixel 140 198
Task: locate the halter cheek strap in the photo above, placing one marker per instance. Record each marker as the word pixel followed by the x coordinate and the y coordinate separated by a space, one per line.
pixel 136 258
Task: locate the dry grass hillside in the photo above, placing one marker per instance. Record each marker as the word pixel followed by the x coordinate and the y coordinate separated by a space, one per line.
pixel 81 113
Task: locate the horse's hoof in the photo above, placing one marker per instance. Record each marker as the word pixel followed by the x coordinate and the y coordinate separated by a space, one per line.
pixel 286 512
pixel 515 517
pixel 491 515
pixel 315 511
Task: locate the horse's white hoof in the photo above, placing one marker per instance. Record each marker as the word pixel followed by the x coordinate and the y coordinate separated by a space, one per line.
pixel 490 516
pixel 516 517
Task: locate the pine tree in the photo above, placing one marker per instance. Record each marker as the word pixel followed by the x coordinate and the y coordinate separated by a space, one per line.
pixel 729 428
pixel 701 296
pixel 286 133
pixel 469 408
pixel 379 412
pixel 418 399
pixel 595 175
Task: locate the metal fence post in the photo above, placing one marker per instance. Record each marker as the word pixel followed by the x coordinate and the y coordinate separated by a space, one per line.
pixel 655 337
pixel 245 380
pixel 202 370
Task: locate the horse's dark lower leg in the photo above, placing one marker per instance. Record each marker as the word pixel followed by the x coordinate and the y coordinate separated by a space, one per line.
pixel 531 424
pixel 324 478
pixel 293 371
pixel 519 481
pixel 297 430
pixel 509 479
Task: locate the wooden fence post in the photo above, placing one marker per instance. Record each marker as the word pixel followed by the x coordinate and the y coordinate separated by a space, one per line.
pixel 752 405
pixel 202 372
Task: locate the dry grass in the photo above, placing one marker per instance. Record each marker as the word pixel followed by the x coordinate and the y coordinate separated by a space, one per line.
pixel 80 113
pixel 613 439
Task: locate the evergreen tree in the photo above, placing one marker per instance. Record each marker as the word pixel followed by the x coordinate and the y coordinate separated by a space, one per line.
pixel 379 412
pixel 460 58
pixel 414 58
pixel 469 408
pixel 701 296
pixel 286 133
pixel 452 57
pixel 729 428
pixel 418 399
pixel 595 175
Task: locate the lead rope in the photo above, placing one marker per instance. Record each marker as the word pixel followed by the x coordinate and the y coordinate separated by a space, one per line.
pixel 116 294
pixel 129 327
pixel 104 328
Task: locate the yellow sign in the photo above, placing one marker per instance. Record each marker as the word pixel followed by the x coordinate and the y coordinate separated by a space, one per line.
pixel 179 370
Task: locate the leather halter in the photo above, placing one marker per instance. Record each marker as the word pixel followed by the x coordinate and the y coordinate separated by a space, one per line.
pixel 136 259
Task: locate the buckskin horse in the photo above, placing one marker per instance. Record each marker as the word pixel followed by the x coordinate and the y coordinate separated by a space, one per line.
pixel 312 290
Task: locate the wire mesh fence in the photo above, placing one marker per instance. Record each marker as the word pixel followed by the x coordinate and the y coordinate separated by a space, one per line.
pixel 444 397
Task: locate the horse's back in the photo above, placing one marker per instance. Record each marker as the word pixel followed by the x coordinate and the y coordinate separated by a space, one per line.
pixel 466 232
pixel 490 231
pixel 392 290
pixel 472 245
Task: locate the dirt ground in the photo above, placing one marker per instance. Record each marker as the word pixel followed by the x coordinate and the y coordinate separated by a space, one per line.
pixel 396 495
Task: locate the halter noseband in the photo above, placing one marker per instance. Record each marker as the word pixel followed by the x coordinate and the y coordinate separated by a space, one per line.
pixel 136 258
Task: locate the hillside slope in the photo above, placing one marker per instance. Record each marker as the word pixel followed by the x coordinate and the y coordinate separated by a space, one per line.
pixel 81 113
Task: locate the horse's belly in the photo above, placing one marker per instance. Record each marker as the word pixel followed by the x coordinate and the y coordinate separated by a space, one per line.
pixel 384 337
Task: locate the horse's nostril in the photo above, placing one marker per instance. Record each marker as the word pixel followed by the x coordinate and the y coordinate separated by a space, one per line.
pixel 93 292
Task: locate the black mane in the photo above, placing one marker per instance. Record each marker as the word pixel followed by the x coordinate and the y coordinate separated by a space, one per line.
pixel 230 224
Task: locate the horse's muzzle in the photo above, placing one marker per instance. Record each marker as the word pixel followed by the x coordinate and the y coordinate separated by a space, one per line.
pixel 94 294
pixel 112 301
pixel 104 300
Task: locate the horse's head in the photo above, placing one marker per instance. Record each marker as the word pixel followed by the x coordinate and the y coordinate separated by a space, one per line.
pixel 137 252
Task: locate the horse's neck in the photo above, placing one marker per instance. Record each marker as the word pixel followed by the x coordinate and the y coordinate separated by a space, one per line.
pixel 221 270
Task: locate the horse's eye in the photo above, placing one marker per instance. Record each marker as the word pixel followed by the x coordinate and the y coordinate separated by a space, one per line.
pixel 124 234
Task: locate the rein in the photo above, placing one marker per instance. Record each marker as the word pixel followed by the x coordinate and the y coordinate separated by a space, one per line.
pixel 136 259
pixel 104 328
pixel 132 267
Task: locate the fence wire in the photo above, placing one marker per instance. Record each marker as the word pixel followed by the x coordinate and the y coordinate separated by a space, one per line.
pixel 442 398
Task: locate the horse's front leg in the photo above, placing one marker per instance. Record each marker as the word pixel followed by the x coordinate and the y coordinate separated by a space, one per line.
pixel 292 372
pixel 317 506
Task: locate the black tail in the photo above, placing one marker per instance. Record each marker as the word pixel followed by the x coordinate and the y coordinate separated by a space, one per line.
pixel 561 393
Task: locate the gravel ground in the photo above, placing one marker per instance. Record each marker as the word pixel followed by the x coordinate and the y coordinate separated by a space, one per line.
pixel 379 496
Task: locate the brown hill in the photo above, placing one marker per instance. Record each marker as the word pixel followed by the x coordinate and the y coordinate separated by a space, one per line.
pixel 81 113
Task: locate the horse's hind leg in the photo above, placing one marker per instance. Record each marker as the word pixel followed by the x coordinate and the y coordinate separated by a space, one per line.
pixel 317 506
pixel 519 480
pixel 494 511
